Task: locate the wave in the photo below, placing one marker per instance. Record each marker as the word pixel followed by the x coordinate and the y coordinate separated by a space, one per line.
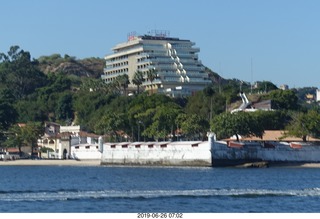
pixel 65 195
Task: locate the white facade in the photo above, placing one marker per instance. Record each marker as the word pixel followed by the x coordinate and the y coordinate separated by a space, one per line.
pixel 86 152
pixel 70 142
pixel 189 153
pixel 72 129
pixel 318 95
pixel 175 61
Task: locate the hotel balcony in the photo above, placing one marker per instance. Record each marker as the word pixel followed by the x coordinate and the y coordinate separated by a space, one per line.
pixel 115 68
pixel 124 53
pixel 190 61
pixel 156 81
pixel 145 61
pixel 193 68
pixel 162 60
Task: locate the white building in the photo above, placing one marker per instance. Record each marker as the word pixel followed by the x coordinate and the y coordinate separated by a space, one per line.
pixel 284 87
pixel 174 60
pixel 318 95
pixel 69 142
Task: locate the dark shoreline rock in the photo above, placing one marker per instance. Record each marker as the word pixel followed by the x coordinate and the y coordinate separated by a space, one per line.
pixel 255 165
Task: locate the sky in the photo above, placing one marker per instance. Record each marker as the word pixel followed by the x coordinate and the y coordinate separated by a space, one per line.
pixel 250 40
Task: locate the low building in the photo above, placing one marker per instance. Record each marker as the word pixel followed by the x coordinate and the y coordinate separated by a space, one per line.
pixel 284 87
pixel 310 98
pixel 274 135
pixel 86 146
pixel 63 140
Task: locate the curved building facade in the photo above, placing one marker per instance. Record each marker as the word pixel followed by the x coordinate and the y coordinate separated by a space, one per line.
pixel 174 62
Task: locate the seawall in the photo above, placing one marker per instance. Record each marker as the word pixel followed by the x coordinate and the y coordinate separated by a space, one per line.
pixel 187 153
pixel 275 153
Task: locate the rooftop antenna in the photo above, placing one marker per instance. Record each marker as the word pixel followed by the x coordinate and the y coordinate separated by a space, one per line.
pixel 220 73
pixel 131 35
pixel 251 75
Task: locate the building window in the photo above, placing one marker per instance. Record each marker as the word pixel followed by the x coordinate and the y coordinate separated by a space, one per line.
pixel 87 147
pixel 113 146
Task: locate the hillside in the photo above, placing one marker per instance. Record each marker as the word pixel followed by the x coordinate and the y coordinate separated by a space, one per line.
pixel 88 67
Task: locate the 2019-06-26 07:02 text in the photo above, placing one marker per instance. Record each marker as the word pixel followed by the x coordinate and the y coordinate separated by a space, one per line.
pixel 160 215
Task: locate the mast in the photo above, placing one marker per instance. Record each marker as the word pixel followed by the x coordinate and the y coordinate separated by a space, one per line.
pixel 251 75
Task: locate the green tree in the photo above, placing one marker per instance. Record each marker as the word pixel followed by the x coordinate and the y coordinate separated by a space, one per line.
pixel 226 125
pixel 265 86
pixel 8 114
pixel 96 85
pixel 27 134
pixel 31 133
pixel 284 99
pixel 152 75
pixel 29 109
pixel 89 107
pixel 112 123
pixel 138 79
pixel 303 125
pixel 272 120
pixel 64 111
pixel 193 126
pixel 19 73
pixel 121 82
pixel 15 137
pixel 163 121
pixel 206 104
pixel 149 110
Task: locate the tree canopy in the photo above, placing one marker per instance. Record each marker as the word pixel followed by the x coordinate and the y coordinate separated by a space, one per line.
pixel 27 94
pixel 227 124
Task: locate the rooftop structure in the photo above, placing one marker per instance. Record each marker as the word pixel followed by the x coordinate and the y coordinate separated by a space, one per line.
pixel 174 61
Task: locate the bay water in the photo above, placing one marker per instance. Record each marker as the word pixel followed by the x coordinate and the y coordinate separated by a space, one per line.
pixel 106 189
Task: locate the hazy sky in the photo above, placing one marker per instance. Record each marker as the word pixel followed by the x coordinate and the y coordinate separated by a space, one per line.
pixel 251 40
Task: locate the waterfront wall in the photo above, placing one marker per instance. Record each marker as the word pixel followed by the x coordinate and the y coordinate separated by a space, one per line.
pixel 207 153
pixel 86 152
pixel 196 153
pixel 281 152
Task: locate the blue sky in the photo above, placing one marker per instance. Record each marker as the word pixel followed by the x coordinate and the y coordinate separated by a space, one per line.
pixel 251 40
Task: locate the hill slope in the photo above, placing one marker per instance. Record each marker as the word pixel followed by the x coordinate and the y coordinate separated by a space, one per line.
pixel 88 67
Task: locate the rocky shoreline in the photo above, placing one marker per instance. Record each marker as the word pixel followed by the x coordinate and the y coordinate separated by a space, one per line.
pixel 263 164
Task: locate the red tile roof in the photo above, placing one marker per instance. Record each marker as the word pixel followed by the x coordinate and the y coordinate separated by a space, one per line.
pixel 274 135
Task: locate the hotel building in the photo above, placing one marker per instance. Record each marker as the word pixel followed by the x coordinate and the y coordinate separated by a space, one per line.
pixel 175 62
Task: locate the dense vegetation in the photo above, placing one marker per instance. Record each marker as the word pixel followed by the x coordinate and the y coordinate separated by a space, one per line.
pixel 30 93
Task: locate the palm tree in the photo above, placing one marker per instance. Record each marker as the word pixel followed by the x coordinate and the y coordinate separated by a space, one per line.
pixel 138 79
pixel 152 75
pixel 122 81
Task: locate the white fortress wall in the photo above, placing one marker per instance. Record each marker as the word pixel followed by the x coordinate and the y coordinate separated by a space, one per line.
pixel 281 153
pixel 195 153
pixel 86 151
pixel 284 153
